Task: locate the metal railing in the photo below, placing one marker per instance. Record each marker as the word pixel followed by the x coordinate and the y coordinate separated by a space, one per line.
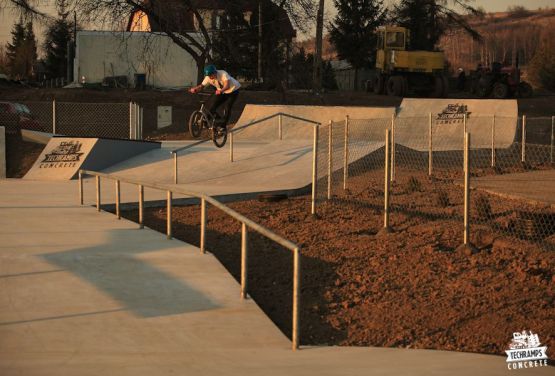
pixel 246 224
pixel 280 116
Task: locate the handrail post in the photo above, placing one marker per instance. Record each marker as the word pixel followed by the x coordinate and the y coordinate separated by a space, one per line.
pixel 175 168
pixel 330 157
pixel 169 215
pixel 80 187
pixel 202 225
pixel 118 212
pixel 296 298
pixel 523 138
pixel 244 250
pixel 430 147
pixel 231 146
pixel 314 168
pixel 493 142
pixel 280 127
pixel 98 193
pixel 141 206
pixel 346 154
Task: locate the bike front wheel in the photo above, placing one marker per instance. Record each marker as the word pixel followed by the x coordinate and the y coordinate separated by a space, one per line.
pixel 196 123
pixel 219 136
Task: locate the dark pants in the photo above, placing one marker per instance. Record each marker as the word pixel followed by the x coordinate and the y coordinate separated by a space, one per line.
pixel 225 100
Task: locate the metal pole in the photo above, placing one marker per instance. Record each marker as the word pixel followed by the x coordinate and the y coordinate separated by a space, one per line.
pixel 493 142
pixel 118 212
pixel 141 124
pixel 314 168
pixel 130 120
pixel 231 146
pixel 346 156
pixel 54 116
pixel 430 148
pixel 175 168
pixel 386 180
pixel 280 127
pixel 202 225
pixel 244 248
pixel 392 166
pixel 464 141
pixel 466 189
pixel 523 138
pixel 169 216
pixel 141 206
pixel 97 193
pixel 80 188
pixel 552 136
pixel 330 161
pixel 296 298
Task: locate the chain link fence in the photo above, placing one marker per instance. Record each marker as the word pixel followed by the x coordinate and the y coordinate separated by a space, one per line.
pixel 510 164
pixel 107 120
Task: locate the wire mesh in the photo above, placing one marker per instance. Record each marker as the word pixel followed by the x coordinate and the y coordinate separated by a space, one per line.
pixel 510 164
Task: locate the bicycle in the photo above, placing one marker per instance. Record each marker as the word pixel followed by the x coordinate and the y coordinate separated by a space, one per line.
pixel 204 119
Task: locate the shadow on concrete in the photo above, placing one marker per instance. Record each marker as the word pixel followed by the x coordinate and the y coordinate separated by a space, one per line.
pixel 141 287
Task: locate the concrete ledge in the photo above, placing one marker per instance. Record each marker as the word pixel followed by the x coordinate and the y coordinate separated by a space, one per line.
pixel 36 137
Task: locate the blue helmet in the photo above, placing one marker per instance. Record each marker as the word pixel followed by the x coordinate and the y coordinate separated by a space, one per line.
pixel 210 69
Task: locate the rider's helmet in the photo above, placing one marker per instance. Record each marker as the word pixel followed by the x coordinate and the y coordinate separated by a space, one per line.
pixel 209 70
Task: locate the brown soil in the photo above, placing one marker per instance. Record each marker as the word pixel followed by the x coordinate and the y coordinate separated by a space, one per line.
pixel 20 156
pixel 411 288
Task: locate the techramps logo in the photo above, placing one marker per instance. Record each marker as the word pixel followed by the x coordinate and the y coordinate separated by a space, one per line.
pixel 525 351
pixel 66 154
pixel 453 114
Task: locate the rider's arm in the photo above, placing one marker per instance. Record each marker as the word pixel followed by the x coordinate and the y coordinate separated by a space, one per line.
pixel 196 89
pixel 225 86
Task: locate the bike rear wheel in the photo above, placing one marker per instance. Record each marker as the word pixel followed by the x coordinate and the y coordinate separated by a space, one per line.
pixel 219 136
pixel 197 121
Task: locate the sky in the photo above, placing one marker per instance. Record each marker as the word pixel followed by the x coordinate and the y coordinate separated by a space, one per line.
pixel 7 17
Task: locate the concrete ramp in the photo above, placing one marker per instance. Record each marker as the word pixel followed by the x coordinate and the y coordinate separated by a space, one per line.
pixel 62 157
pixel 413 119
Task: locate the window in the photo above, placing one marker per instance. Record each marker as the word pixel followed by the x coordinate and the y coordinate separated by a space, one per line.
pixel 395 39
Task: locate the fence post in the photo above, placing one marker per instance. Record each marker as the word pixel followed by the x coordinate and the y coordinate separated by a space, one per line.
pixel 392 137
pixel 244 250
pixel 296 298
pixel 346 156
pixel 130 120
pixel 280 127
pixel 174 168
pixel 54 116
pixel 202 225
pixel 552 136
pixel 466 246
pixel 523 159
pixel 141 206
pixel 330 156
pixel 314 168
pixel 430 148
pixel 80 187
pixel 231 146
pixel 169 216
pixel 141 117
pixel 493 142
pixel 386 229
pixel 98 193
pixel 118 212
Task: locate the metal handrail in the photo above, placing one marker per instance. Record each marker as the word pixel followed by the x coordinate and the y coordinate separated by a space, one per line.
pixel 245 222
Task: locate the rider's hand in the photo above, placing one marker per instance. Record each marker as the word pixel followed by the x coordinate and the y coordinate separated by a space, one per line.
pixel 218 92
pixel 192 90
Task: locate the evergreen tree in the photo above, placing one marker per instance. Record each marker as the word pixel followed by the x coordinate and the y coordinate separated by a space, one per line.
pixel 58 35
pixel 353 31
pixel 22 51
pixel 428 20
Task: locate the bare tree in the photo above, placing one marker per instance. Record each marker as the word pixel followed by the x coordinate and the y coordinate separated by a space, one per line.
pixel 27 8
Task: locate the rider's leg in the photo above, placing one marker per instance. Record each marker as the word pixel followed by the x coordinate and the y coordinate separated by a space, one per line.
pixel 215 102
pixel 228 105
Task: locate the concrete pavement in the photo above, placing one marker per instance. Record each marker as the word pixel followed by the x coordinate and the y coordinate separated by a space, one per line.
pixel 82 293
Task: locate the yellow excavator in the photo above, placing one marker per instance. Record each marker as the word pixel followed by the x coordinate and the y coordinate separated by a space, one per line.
pixel 399 70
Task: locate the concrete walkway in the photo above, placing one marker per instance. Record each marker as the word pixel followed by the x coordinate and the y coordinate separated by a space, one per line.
pixel 82 293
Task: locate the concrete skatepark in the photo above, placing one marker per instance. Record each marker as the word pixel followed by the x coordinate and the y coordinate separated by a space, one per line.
pixel 84 293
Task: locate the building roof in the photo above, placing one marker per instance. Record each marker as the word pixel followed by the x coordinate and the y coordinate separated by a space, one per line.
pixel 184 21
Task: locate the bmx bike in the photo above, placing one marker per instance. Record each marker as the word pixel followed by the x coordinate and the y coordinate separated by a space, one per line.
pixel 202 119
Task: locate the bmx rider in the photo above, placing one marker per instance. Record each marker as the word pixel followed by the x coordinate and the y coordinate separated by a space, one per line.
pixel 227 90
